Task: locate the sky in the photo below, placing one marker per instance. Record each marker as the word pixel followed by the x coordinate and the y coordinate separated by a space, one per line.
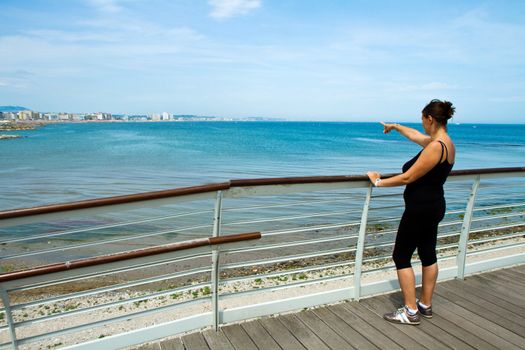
pixel 333 60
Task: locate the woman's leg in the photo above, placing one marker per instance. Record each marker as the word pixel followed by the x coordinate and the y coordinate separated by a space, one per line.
pixel 407 282
pixel 430 274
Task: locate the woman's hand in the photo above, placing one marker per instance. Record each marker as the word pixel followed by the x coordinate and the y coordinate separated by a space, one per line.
pixel 388 127
pixel 373 176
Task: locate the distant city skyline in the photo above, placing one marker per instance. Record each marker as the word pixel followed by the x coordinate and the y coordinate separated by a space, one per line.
pixel 300 60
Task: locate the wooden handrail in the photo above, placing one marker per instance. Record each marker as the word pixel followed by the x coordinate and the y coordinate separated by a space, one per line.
pixel 146 196
pixel 132 254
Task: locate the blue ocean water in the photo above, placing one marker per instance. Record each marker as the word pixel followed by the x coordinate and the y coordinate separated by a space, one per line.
pixel 69 162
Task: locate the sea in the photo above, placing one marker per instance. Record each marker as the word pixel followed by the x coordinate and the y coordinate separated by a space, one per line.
pixel 61 163
pixel 70 162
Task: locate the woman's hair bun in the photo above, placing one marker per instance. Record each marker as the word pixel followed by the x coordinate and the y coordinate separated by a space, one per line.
pixel 439 110
pixel 448 109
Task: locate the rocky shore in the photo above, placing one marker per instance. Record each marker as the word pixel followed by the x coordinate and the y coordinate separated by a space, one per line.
pixel 19 126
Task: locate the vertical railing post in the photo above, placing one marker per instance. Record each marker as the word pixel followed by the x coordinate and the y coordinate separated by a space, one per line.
pixel 358 261
pixel 215 261
pixel 9 317
pixel 465 229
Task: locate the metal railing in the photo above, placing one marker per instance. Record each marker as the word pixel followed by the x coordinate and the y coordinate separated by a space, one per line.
pixel 326 238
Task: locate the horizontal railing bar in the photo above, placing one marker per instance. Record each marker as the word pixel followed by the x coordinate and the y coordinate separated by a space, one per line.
pixel 102 242
pixel 110 321
pixel 285 218
pixel 285 258
pixel 389 243
pixel 110 272
pixel 387 195
pixel 414 263
pixel 111 288
pixel 129 255
pixel 498 196
pixel 99 202
pixel 500 247
pixel 297 203
pixel 389 256
pixel 281 273
pixel 111 304
pixel 287 244
pixel 502 216
pixel 400 206
pixel 498 186
pixel 286 286
pixel 496 238
pixel 310 228
pixel 101 227
pixel 513 205
pixel 496 228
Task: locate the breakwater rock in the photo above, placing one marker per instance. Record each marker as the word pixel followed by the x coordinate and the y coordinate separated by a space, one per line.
pixel 5 137
pixel 19 126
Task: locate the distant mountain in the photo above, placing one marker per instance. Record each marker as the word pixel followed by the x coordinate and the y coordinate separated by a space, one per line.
pixel 12 108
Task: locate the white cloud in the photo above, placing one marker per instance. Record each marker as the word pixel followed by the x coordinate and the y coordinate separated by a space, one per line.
pixel 230 8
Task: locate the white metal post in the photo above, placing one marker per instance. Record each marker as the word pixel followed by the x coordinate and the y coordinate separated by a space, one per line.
pixel 465 229
pixel 215 261
pixel 9 317
pixel 361 245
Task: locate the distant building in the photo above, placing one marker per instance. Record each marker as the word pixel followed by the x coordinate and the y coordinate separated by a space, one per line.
pixel 166 116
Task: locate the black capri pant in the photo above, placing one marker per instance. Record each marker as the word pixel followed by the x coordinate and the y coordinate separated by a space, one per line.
pixel 418 229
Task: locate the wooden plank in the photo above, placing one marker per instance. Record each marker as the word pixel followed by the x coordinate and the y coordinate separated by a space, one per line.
pixel 453 330
pixel 520 268
pixel 148 346
pixel 481 307
pixel 302 332
pixel 426 334
pixel 325 333
pixel 514 273
pixel 217 340
pixel 469 288
pixel 281 334
pixel 378 338
pixel 238 337
pixel 172 344
pixel 505 277
pixel 194 341
pixel 260 336
pixel 344 330
pixel 498 289
pixel 489 331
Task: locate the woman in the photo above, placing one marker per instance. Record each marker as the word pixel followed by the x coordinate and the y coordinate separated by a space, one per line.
pixel 424 176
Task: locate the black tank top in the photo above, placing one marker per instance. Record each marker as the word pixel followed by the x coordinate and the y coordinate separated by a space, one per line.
pixel 428 189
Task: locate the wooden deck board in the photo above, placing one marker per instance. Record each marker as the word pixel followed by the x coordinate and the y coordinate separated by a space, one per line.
pixel 260 336
pixel 281 334
pixel 217 340
pixel 509 320
pixel 238 337
pixel 325 333
pixel 171 344
pixel 485 311
pixel 378 338
pixel 353 337
pixel 308 338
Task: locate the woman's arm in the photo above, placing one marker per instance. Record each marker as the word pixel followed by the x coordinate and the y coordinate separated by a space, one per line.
pixel 430 156
pixel 411 134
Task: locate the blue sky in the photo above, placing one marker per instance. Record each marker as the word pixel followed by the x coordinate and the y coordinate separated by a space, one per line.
pixel 301 60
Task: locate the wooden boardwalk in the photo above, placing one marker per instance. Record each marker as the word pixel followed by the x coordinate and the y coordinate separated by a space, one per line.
pixel 482 312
